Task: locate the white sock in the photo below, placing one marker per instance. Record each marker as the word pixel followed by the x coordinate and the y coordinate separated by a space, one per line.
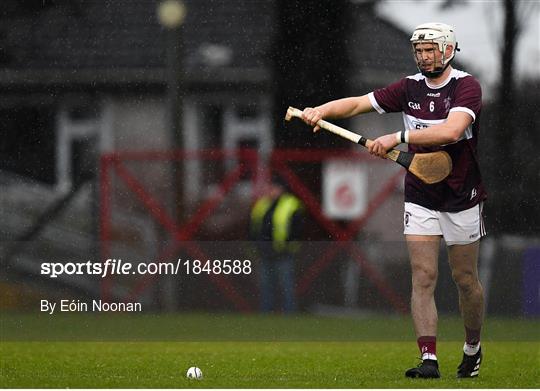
pixel 471 350
pixel 429 356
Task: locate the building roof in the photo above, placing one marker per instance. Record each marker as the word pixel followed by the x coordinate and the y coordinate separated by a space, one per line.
pixel 76 38
pixel 122 41
pixel 379 50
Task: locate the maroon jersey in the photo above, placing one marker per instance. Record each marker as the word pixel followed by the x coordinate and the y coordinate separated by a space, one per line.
pixel 424 105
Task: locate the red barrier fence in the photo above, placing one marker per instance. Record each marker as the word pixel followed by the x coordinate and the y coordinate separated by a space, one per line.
pixel 114 166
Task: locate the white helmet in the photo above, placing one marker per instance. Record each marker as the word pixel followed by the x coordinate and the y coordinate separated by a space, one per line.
pixel 439 33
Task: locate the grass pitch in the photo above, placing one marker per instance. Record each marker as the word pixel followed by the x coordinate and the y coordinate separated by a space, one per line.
pixel 251 351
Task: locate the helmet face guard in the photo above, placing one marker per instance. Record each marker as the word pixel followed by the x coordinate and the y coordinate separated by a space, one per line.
pixel 437 33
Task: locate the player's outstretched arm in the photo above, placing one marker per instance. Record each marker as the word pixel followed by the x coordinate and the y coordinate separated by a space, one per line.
pixel 337 109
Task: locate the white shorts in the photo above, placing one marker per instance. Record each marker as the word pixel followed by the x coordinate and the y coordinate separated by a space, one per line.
pixel 462 227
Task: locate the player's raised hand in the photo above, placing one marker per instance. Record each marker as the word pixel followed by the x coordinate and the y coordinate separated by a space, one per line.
pixel 311 116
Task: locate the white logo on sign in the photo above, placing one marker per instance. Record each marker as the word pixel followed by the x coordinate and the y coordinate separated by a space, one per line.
pixel 344 196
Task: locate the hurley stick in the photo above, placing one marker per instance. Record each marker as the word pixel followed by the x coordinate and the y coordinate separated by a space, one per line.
pixel 431 167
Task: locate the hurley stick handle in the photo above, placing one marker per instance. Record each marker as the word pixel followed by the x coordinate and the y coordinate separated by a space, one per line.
pixel 347 134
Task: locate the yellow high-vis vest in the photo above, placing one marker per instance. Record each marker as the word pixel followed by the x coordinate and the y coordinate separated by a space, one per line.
pixel 287 206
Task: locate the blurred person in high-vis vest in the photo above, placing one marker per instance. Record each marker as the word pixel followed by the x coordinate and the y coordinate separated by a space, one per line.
pixel 275 226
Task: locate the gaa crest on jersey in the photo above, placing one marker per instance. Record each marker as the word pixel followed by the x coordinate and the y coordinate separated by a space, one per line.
pixel 414 105
pixel 447 103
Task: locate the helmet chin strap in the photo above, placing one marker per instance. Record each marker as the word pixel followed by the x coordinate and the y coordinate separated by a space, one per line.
pixel 436 72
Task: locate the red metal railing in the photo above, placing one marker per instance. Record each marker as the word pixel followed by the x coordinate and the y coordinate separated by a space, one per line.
pixel 248 161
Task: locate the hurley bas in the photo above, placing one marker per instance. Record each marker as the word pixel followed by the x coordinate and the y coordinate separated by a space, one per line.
pixel 94 306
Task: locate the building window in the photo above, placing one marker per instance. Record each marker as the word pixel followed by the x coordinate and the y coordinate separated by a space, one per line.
pixel 223 123
pixel 212 136
pixel 28 142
